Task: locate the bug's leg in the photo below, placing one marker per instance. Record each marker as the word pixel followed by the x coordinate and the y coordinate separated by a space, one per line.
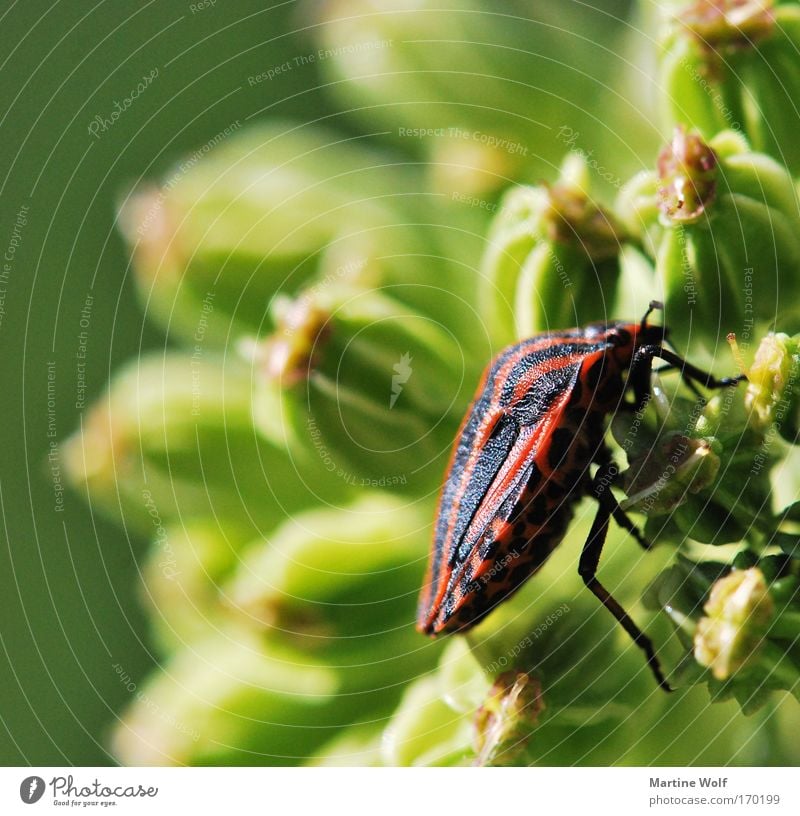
pixel 590 558
pixel 690 373
pixel 639 375
pixel 624 521
pixel 610 471
pixel 690 383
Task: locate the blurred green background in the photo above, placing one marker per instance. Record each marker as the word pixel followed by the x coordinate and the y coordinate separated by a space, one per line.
pixel 68 579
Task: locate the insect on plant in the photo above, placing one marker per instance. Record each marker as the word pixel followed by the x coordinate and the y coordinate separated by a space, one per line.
pixel 522 460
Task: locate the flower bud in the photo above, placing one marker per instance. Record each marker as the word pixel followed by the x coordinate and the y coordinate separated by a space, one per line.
pixel 336 571
pixel 729 64
pixel 253 217
pixel 738 612
pixel 230 699
pixel 687 170
pixel 725 240
pixel 503 724
pixel 552 258
pixel 369 386
pixel 173 438
pixel 182 576
pixel 741 624
pixel 662 479
pixel 773 390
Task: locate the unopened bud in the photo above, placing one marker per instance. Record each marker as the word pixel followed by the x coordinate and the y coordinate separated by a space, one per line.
pixel 552 258
pixel 738 612
pixel 773 391
pixel 504 722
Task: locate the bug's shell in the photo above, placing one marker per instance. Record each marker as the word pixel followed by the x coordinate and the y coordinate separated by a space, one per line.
pixel 520 463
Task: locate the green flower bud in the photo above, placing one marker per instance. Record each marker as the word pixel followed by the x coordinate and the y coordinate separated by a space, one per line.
pixel 738 612
pixel 182 576
pixel 552 258
pixel 434 723
pixel 330 572
pixel 254 217
pixel 174 439
pixel 722 225
pixel 680 591
pixel 454 78
pixel 370 387
pixel 660 481
pixel 773 391
pixel 227 700
pixel 503 724
pixel 729 64
pixel 742 625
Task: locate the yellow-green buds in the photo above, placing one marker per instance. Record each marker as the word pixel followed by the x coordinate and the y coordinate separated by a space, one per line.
pixel 773 391
pixel 739 627
pixel 737 614
pixel 552 258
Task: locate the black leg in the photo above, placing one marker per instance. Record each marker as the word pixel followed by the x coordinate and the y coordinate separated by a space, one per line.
pixel 590 558
pixel 607 475
pixel 690 383
pixel 644 356
pixel 622 518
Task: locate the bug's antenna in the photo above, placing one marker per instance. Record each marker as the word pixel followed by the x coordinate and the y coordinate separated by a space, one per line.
pixel 654 306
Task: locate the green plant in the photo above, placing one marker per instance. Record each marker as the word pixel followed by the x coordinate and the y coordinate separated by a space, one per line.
pixel 333 305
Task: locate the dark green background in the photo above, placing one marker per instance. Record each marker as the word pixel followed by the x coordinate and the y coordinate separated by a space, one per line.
pixel 68 609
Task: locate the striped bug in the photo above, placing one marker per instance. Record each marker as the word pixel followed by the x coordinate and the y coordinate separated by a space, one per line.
pixel 521 462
